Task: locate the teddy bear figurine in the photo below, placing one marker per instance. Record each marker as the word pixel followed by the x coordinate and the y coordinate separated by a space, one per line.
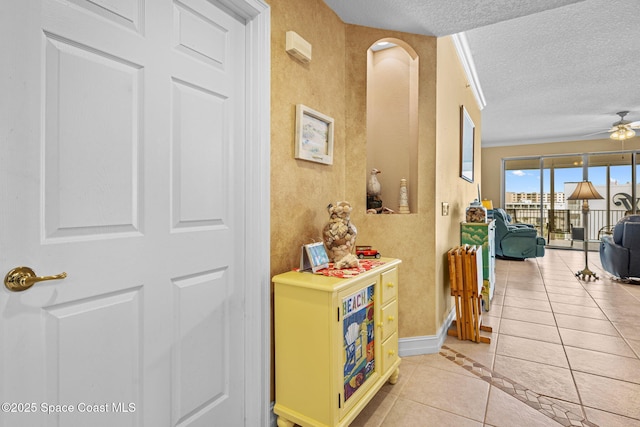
pixel 339 234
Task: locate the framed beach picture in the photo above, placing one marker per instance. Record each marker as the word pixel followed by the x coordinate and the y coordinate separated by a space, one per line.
pixel 467 140
pixel 314 136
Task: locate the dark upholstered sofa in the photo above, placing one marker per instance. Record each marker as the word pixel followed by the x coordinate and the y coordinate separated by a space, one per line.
pixel 620 251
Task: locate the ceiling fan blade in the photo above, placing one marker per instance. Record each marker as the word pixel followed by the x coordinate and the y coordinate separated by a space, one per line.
pixel 597 133
pixel 635 125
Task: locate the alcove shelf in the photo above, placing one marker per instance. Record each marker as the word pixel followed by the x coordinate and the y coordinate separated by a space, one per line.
pixel 392 119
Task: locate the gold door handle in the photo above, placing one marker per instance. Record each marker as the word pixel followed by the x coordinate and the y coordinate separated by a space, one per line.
pixel 22 278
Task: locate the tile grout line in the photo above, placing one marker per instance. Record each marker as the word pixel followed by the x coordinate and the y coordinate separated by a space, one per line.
pixel 613 324
pixel 534 400
pixel 555 320
pixel 564 349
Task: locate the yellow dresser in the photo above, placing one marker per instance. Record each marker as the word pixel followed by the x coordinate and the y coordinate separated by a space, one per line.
pixel 336 343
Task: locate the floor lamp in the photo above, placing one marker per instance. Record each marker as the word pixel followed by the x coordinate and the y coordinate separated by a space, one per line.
pixel 585 191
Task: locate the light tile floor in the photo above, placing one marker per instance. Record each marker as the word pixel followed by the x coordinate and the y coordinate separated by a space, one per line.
pixel 563 352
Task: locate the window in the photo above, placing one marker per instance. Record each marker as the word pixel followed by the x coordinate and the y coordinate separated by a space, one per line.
pixel 536 191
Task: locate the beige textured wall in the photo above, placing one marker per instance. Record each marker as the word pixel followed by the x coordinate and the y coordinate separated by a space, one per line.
pixel 452 92
pixel 409 237
pixel 334 83
pixel 301 190
pixel 492 157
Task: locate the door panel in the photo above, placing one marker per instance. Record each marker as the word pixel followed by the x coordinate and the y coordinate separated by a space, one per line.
pixel 125 168
pixel 91 174
pixel 201 374
pixel 197 34
pixel 81 362
pixel 199 160
pixel 127 13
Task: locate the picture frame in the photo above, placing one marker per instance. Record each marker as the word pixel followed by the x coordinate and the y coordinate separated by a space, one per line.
pixel 314 257
pixel 467 142
pixel 314 136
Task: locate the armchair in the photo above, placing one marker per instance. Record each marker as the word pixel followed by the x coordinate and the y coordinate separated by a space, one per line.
pixel 517 241
pixel 509 221
pixel 620 251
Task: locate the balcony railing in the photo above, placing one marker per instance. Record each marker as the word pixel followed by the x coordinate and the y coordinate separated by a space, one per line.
pixel 560 227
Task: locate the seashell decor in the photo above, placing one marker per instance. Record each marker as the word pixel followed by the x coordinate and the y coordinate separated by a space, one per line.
pixel 476 214
pixel 339 234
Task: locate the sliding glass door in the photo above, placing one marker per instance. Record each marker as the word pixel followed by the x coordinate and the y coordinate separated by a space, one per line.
pixel 536 191
pixel 564 221
pixel 616 171
pixel 522 181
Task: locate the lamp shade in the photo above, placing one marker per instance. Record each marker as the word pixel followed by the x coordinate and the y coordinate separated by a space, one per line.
pixel 585 191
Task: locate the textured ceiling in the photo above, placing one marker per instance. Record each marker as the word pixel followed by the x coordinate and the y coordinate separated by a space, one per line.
pixel 550 70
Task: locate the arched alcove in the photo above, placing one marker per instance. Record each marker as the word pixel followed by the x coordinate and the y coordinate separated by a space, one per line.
pixel 392 119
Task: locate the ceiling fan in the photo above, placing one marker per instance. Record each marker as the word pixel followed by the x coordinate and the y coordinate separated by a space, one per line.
pixel 623 129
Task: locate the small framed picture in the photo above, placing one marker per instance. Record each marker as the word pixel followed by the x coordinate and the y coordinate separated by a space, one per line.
pixel 314 257
pixel 314 136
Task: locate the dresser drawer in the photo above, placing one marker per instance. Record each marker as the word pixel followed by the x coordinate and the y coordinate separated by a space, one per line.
pixel 389 319
pixel 389 352
pixel 389 284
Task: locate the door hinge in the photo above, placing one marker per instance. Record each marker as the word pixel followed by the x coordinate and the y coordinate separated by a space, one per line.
pixel 339 401
pixel 338 310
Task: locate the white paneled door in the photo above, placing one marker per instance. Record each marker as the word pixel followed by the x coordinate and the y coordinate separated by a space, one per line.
pixel 123 165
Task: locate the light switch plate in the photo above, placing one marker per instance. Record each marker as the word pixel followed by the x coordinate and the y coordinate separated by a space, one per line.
pixel 445 208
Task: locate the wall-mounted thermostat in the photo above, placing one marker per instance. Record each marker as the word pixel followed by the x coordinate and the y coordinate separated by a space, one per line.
pixel 298 47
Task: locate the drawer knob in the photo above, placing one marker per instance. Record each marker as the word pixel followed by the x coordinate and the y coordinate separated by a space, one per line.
pixel 390 284
pixel 380 324
pixel 392 352
pixel 391 318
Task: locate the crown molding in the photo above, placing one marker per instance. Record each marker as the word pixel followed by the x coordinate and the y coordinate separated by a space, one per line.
pixel 462 48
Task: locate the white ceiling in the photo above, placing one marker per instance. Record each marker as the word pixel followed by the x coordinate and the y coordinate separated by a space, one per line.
pixel 550 70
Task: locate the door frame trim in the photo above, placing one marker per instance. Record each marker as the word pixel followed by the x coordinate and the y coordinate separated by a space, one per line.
pixel 257 218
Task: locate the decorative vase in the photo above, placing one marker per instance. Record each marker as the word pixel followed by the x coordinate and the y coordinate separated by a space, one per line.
pixel 339 234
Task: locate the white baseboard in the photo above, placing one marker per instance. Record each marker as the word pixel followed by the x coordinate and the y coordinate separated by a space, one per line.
pixel 429 344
